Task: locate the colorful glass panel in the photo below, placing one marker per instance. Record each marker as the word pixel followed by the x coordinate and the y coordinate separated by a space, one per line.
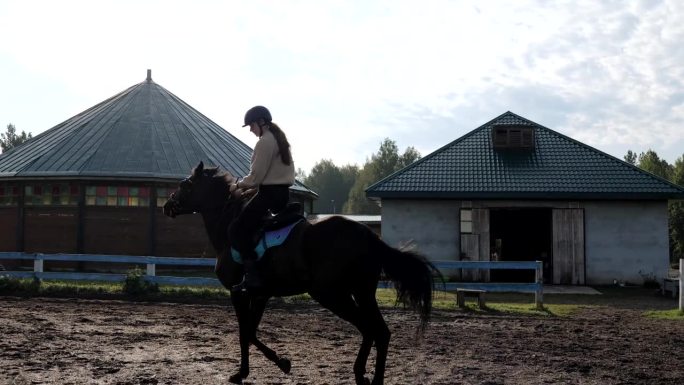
pixel 9 195
pixel 122 196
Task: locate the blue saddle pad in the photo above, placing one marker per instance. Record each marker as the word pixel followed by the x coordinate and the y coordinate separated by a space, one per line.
pixel 270 239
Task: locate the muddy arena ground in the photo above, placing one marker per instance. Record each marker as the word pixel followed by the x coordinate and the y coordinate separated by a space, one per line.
pixel 77 341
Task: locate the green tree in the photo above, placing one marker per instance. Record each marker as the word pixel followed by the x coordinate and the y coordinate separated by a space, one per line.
pixel 650 162
pixel 10 139
pixel 631 157
pixel 381 164
pixel 332 184
pixel 676 211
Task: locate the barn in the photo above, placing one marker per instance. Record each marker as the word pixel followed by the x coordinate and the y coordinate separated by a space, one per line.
pixel 513 190
pixel 95 183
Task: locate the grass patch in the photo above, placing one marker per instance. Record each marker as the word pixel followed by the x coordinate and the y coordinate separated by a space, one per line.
pixel 556 305
pixel 674 314
pixel 91 289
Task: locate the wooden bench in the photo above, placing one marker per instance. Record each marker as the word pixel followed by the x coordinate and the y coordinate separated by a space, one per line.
pixel 462 293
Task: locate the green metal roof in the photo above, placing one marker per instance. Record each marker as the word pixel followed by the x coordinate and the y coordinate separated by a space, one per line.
pixel 144 132
pixel 557 168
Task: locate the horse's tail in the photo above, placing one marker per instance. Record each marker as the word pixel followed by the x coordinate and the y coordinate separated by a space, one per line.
pixel 413 277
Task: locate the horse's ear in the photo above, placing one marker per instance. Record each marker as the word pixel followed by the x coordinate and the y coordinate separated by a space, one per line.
pixel 198 170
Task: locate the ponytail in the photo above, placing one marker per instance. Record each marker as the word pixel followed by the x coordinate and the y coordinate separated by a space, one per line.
pixel 283 144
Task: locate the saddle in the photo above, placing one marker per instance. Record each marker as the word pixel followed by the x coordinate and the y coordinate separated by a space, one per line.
pixel 274 231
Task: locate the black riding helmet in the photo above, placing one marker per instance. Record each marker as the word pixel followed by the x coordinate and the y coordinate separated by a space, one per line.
pixel 255 113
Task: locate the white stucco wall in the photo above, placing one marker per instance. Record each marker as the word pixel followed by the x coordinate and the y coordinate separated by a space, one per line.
pixel 432 225
pixel 625 240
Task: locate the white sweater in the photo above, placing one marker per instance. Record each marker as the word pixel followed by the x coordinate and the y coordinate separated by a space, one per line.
pixel 267 168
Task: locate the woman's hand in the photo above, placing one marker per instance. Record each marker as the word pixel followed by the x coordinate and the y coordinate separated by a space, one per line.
pixel 235 191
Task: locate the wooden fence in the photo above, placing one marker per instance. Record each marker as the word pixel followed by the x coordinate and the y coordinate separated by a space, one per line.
pixel 536 287
pixel 150 262
pixel 38 259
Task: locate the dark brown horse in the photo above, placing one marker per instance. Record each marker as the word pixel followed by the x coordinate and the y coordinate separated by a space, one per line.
pixel 337 261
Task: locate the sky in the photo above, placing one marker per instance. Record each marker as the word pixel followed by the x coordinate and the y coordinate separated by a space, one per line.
pixel 341 76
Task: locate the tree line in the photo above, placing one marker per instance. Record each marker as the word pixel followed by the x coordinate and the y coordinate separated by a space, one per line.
pixel 341 189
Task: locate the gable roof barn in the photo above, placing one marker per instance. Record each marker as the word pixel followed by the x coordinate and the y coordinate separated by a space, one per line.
pixel 554 166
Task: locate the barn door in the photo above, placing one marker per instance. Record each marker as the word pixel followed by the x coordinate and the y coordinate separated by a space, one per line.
pixel 568 246
pixel 475 246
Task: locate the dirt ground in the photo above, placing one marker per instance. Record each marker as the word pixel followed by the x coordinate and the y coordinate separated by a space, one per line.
pixel 76 341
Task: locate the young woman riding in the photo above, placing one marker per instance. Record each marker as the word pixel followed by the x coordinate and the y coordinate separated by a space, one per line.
pixel 272 173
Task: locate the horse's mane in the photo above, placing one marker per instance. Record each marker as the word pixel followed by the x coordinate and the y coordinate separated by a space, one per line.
pixel 215 172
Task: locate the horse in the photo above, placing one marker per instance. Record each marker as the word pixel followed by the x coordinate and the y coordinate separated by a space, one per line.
pixel 337 261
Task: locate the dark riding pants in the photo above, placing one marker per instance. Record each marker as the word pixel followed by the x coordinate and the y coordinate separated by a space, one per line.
pixel 243 230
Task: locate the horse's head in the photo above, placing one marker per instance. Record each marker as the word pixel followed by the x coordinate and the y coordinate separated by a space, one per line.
pixel 203 189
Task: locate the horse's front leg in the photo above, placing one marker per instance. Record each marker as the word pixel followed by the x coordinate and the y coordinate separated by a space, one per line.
pixel 257 308
pixel 241 304
pixel 249 311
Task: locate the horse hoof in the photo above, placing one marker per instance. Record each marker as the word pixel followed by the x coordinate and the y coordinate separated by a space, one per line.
pixel 235 379
pixel 284 365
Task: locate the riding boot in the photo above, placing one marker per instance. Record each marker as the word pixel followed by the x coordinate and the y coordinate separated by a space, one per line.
pixel 252 279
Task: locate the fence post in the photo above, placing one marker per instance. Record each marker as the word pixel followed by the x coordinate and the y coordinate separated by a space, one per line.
pixel 539 280
pixel 681 284
pixel 38 265
pixel 151 269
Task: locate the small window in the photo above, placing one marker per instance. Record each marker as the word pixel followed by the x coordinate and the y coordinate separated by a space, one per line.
pixel 513 137
pixel 466 221
pixel 51 194
pixel 163 194
pixel 117 196
pixel 9 195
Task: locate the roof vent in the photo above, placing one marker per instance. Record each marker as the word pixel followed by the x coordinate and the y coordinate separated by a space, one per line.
pixel 507 137
pixel 149 76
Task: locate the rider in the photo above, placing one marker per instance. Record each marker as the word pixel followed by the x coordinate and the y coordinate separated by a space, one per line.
pixel 272 172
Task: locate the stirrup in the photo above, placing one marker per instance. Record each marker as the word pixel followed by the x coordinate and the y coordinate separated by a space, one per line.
pixel 249 284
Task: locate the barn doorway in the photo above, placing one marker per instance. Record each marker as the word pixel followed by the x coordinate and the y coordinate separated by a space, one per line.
pixel 521 234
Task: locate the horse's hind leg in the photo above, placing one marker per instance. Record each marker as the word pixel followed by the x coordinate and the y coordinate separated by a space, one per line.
pixel 381 333
pixel 344 307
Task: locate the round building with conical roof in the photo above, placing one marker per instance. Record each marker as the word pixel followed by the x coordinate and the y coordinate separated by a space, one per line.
pixel 95 183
